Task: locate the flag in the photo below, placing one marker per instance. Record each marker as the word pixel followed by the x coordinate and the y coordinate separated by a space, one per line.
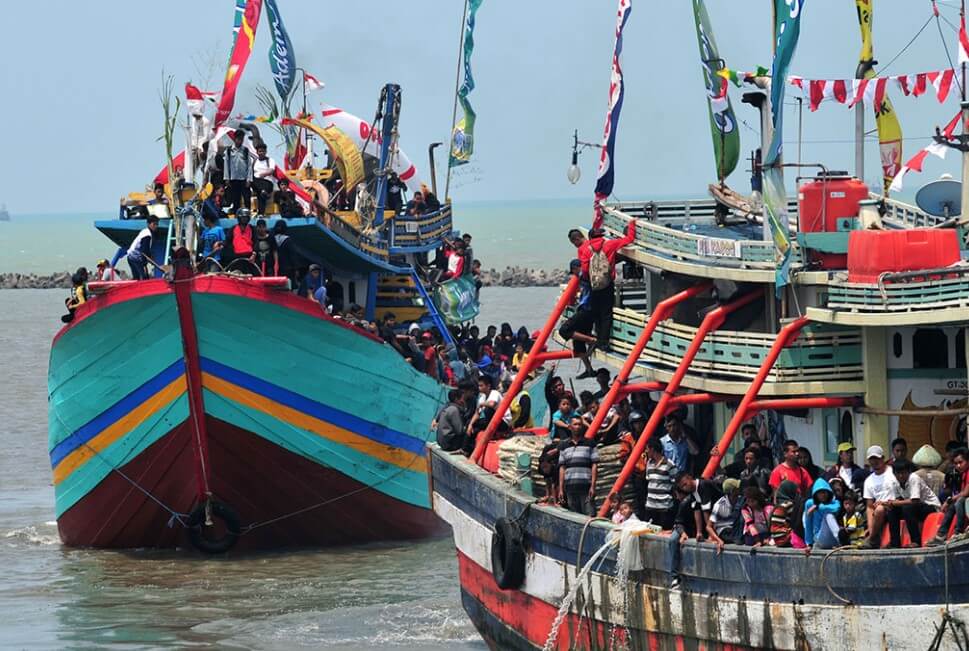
pixel 359 132
pixel 462 136
pixel 240 11
pixel 456 299
pixel 936 149
pixel 787 30
pixel 193 99
pixel 282 58
pixel 963 42
pixel 312 83
pixel 723 122
pixel 606 176
pixel 239 58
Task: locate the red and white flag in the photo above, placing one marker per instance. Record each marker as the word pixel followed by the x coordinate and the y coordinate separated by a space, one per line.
pixel 963 42
pixel 312 83
pixel 918 160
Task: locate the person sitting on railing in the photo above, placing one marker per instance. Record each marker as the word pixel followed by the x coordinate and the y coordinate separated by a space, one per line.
pixel 263 177
pixel 285 200
pixel 786 523
pixel 104 271
pixel 160 201
pixel 431 203
pixel 821 528
pixel 597 256
pixel 955 504
pixel 927 459
pixel 449 424
pixel 211 241
pixel 561 418
pixel 918 500
pixel 609 429
pixel 790 469
pixel 756 514
pixel 455 261
pixel 692 519
pixel 881 492
pixel 416 205
pixel 851 519
pixel 78 295
pixel 578 469
pixel 213 204
pixel 487 402
pixel 264 250
pixel 139 253
pixel 726 514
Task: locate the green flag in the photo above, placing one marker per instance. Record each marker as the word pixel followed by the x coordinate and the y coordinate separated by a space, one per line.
pixel 723 123
pixel 462 138
pixel 457 300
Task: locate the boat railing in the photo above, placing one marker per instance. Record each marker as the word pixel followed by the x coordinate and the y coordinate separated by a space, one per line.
pixel 905 292
pixel 902 215
pixel 412 233
pixel 819 353
pixel 667 241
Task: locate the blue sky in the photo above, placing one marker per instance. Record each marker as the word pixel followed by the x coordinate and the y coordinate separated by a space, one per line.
pixel 81 113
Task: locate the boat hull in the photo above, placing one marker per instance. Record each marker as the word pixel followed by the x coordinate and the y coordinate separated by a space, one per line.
pixel 779 599
pixel 163 397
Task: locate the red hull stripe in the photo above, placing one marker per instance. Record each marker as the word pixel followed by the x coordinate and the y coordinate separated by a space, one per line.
pixel 317 410
pixel 125 291
pixel 529 617
pixel 115 412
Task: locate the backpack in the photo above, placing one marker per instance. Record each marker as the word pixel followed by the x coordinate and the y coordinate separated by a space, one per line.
pixel 600 271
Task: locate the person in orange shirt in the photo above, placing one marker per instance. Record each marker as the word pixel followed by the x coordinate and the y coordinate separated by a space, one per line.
pixel 790 470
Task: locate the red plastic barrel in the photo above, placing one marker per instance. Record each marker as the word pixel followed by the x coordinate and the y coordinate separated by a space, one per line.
pixel 821 203
pixel 871 253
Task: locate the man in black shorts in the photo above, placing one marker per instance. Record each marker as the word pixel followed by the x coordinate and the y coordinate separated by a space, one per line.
pixel 578 327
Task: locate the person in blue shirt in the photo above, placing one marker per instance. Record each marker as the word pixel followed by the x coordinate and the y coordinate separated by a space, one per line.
pixel 561 419
pixel 675 445
pixel 821 528
pixel 312 281
pixel 211 241
pixel 213 205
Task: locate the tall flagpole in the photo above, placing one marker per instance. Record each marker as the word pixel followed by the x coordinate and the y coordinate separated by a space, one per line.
pixel 454 110
pixel 964 200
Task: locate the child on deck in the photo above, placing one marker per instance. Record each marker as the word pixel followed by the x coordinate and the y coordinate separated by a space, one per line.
pixel 851 520
pixel 625 512
pixel 756 517
pixel 561 418
pixel 821 528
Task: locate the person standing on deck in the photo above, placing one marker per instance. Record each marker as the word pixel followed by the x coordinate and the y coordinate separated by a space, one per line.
pixel 578 468
pixel 211 239
pixel 676 444
pixel 240 238
pixel 578 327
pixel 660 506
pixel 238 172
pixel 263 177
pixel 597 257
pixel 139 253
pixel 790 470
pixel 264 250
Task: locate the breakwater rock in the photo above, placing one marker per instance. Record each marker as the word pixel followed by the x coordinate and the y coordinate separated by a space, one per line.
pixel 522 277
pixel 507 277
pixel 60 280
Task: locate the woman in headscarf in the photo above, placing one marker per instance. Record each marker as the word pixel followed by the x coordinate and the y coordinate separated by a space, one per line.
pixel 505 341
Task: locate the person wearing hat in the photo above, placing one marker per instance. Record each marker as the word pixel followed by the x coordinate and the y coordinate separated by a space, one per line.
pixel 955 505
pixel 881 491
pixel 238 172
pixel 488 367
pixel 239 239
pixel 928 460
pixel 104 272
pixel 726 511
pixel 312 281
pixel 851 474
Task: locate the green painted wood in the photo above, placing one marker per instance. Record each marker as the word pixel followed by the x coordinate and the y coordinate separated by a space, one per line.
pixel 400 483
pixel 319 360
pixel 105 357
pixel 80 482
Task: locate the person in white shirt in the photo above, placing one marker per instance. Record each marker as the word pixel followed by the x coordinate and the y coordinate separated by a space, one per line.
pixel 918 500
pixel 488 399
pixel 139 253
pixel 104 272
pixel 263 177
pixel 881 493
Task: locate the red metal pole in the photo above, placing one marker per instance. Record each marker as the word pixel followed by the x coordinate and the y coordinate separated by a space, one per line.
pixel 712 321
pixel 694 399
pixel 660 314
pixel 784 337
pixel 541 358
pixel 781 404
pixel 531 361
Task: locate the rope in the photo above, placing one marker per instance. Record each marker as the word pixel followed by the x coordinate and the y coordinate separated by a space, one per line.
pixel 825 578
pixel 907 46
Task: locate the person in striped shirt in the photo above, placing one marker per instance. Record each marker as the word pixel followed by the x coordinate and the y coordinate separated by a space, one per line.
pixel 660 472
pixel 578 467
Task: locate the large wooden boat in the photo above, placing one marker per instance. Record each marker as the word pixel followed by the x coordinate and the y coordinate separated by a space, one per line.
pixel 863 341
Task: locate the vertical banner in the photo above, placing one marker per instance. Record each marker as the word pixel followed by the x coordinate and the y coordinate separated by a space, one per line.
pixel 606 177
pixel 889 129
pixel 282 59
pixel 237 23
pixel 462 137
pixel 787 30
pixel 240 56
pixel 723 122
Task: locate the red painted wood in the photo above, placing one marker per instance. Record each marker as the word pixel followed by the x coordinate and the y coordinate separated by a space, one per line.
pixel 118 293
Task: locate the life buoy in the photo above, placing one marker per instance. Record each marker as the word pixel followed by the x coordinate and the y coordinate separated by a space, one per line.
pixel 197 528
pixel 507 555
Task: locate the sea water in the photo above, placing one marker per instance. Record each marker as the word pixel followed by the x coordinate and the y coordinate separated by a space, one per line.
pixel 390 595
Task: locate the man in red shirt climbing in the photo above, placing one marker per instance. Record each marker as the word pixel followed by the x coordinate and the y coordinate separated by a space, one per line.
pixel 597 259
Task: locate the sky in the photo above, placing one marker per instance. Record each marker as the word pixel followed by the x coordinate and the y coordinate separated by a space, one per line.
pixel 81 114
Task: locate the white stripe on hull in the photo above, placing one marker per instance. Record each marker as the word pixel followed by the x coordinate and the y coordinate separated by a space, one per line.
pixel 713 618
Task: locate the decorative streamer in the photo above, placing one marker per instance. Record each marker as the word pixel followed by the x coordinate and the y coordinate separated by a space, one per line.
pixel 462 136
pixel 238 60
pixel 606 176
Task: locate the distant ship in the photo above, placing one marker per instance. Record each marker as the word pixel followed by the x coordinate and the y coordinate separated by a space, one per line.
pixel 4 215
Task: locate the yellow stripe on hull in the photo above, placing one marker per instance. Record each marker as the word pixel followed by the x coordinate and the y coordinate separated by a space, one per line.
pixel 247 398
pixel 118 429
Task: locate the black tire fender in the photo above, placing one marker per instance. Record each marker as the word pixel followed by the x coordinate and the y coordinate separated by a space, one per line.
pixel 196 525
pixel 507 554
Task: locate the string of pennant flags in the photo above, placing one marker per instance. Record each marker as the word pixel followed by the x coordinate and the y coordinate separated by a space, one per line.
pixel 939 149
pixel 871 92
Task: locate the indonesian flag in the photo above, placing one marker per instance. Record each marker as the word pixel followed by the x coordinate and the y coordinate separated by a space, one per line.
pixel 311 83
pixel 195 99
pixel 918 160
pixel 237 62
pixel 963 42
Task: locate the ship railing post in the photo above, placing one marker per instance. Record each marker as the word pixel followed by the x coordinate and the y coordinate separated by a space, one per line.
pixel 711 322
pixel 783 339
pixel 532 361
pixel 660 314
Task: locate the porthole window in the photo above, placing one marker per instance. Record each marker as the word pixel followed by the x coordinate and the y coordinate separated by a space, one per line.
pixel 897 345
